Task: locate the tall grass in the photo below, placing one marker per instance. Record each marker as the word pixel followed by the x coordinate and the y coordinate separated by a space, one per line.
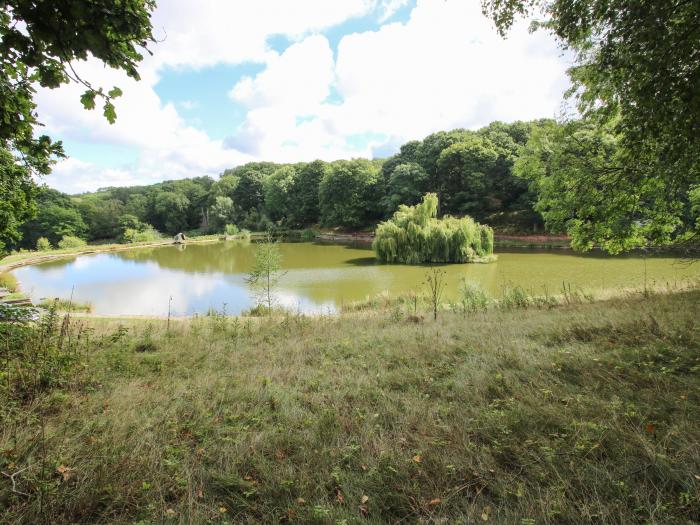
pixel 414 235
pixel 472 297
pixel 588 413
pixel 9 281
pixel 66 305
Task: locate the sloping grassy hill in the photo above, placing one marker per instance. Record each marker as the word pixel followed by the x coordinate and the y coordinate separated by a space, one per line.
pixel 579 414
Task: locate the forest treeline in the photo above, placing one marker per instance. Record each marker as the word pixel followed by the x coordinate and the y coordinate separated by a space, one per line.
pixel 625 175
pixel 515 177
pixel 472 172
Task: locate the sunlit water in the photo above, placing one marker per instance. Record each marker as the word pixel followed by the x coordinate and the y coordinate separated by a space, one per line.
pixel 318 278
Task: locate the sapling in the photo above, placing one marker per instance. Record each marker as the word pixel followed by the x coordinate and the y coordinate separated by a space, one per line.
pixel 266 272
pixel 436 281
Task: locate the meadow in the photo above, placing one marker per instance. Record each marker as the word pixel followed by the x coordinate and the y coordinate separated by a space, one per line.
pixel 579 412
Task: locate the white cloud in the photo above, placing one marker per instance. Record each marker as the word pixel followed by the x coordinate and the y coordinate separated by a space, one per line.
pixel 390 7
pixel 445 68
pixel 209 32
pixel 188 105
pixel 282 102
pixel 299 77
pixel 193 35
pixel 167 147
pixel 153 165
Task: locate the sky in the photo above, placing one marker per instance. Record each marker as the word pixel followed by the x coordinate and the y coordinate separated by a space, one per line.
pixel 233 81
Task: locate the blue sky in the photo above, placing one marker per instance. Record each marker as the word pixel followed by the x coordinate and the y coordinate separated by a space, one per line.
pixel 201 95
pixel 230 82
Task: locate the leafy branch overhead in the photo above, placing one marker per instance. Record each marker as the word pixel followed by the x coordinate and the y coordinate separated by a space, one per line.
pixel 636 80
pixel 88 101
pixel 39 44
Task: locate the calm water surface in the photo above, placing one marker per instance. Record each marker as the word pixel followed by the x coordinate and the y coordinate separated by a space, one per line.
pixel 318 278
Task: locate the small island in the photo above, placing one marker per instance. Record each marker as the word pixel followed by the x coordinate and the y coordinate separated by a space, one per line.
pixel 414 235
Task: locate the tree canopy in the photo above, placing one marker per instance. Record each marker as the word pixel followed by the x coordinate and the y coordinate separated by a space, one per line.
pixel 475 169
pixel 637 78
pixel 39 42
pixel 347 193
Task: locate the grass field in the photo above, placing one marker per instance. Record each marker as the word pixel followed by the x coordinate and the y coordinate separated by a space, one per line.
pixel 586 413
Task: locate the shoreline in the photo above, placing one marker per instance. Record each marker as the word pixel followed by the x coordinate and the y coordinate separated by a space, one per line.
pixel 40 257
pixel 508 241
pixel 363 308
pixel 32 258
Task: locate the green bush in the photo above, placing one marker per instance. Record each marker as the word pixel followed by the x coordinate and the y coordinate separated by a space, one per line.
pixel 415 235
pixel 308 235
pixel 515 297
pixel 43 244
pixel 231 229
pixel 147 234
pixel 9 281
pixel 70 241
pixel 472 297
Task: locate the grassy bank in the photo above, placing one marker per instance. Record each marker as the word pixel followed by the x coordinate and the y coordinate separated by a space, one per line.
pixel 531 241
pixel 24 258
pixel 581 413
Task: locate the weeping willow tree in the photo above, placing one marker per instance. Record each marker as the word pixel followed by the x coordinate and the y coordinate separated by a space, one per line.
pixel 415 235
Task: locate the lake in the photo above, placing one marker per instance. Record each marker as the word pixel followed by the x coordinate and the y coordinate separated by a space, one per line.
pixel 318 278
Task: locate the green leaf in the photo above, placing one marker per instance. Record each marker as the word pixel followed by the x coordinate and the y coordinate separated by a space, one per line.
pixel 115 92
pixel 110 113
pixel 88 99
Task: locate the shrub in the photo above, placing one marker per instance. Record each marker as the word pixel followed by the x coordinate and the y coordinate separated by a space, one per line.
pixel 129 234
pixel 436 282
pixel 9 281
pixel 70 241
pixel 415 235
pixel 472 297
pixel 146 234
pixel 515 297
pixel 308 235
pixel 43 244
pixel 231 229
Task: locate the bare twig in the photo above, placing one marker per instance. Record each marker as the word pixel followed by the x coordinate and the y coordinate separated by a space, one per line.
pixel 14 482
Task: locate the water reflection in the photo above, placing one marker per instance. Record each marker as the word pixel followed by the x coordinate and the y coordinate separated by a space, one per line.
pixel 319 276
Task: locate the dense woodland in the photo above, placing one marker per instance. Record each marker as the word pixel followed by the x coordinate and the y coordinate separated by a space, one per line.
pixel 516 177
pixel 625 175
pixel 472 172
